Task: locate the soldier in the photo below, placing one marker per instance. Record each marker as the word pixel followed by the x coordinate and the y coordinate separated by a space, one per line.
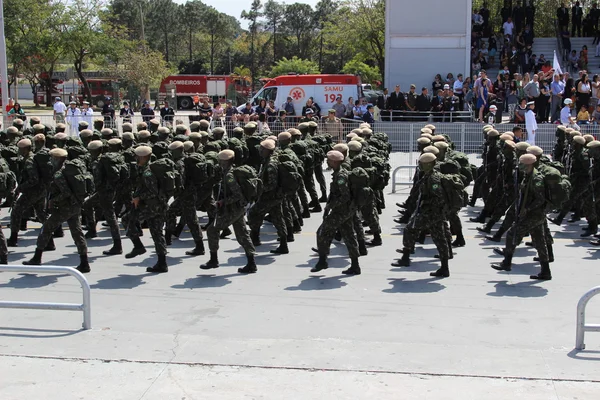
pixel 184 203
pixel 270 201
pixel 325 143
pixel 428 216
pixel 339 214
pixel 31 192
pixel 530 215
pixel 63 205
pixel 148 206
pixel 230 211
pixel 316 156
pixel 106 170
pixel 333 126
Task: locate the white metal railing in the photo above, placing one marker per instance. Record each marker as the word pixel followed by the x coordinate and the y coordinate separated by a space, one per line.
pixel 581 326
pixel 401 168
pixel 84 306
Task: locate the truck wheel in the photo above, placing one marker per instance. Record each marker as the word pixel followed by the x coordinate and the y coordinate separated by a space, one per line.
pixel 185 103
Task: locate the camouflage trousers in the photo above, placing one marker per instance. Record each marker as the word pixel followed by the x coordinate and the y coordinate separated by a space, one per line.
pixel 205 201
pixel 455 224
pixel 224 218
pixel 320 177
pixel 3 246
pixel 533 225
pixel 341 220
pixel 302 197
pixel 576 196
pixel 502 206
pixel 185 206
pixel 370 216
pixel 309 184
pixel 272 205
pixel 291 210
pixel 590 205
pixel 28 200
pixel 123 199
pixel 437 228
pixel 493 198
pixel 154 215
pixel 59 214
pixel 104 200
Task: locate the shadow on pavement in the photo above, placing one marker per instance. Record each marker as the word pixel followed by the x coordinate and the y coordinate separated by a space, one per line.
pixel 521 289
pixel 31 333
pixel 579 354
pixel 122 281
pixel 402 285
pixel 319 283
pixel 206 281
pixel 31 281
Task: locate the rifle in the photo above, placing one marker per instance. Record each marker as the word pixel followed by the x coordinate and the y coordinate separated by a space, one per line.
pixel 591 173
pixel 518 204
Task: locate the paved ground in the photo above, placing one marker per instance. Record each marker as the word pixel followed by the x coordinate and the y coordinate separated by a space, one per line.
pixel 285 333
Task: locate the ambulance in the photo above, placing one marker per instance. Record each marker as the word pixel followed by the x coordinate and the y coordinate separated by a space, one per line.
pixel 324 89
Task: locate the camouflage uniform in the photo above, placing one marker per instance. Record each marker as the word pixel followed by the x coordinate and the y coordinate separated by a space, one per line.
pixel 33 195
pixel 184 205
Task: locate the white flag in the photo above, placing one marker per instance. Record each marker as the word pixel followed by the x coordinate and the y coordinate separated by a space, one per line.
pixel 556 65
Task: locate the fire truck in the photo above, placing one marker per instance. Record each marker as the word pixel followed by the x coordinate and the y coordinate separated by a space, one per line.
pixel 180 89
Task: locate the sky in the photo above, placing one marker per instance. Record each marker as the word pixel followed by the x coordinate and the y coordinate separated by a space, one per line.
pixel 235 7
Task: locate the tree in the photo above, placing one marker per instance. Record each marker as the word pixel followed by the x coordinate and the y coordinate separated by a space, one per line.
pixel 162 18
pixel 252 16
pixel 323 13
pixel 274 13
pixel 220 29
pixel 366 72
pixel 295 64
pixel 300 24
pixel 192 12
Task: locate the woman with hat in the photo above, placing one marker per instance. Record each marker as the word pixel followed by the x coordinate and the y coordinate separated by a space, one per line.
pixel 530 123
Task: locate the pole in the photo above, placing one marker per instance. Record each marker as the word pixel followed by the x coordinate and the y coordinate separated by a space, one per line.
pixel 3 66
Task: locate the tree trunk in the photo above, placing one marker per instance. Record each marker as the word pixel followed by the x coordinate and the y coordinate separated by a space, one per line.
pixel 166 46
pixel 274 41
pixel 321 52
pixel 212 53
pixel 191 57
pixel 78 64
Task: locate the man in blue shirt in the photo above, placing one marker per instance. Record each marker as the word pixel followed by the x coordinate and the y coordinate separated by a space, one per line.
pixel 368 116
pixel 557 88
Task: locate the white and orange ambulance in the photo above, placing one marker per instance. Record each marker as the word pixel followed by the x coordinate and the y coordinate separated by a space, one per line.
pixel 324 89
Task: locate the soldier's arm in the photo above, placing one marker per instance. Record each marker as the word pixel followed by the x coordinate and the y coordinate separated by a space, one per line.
pixel 344 197
pixel 34 177
pixel 234 192
pixel 272 181
pixel 64 191
pixel 150 186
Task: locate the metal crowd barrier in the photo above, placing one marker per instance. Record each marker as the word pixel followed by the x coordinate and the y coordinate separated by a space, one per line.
pixel 84 306
pixel 581 326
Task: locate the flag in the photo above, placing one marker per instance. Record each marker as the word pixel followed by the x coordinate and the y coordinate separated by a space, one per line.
pixel 556 65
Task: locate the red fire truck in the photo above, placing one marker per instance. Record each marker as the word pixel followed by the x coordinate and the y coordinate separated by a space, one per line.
pixel 181 89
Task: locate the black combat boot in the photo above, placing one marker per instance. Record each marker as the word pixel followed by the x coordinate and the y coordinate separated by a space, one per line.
pixel 179 228
pixel 316 208
pixel 296 228
pixel 591 230
pixel 544 274
pixel 212 263
pixel 505 265
pixel 255 237
pixel 225 233
pixel 305 212
pixel 23 226
pixel 421 238
pixel 376 240
pixel 36 260
pixel 198 250
pixel 362 248
pixel 472 201
pixel 354 268
pixel 138 248
pixel 497 237
pixel 13 240
pixel 283 246
pixel 323 198
pixel 550 254
pixel 4 259
pixel 58 233
pixel 168 237
pixel 290 236
pixel 91 233
pixel 209 223
pixel 558 219
pixel 480 218
pixel 443 272
pixel 338 236
pixel 321 264
pixel 487 228
pixel 460 240
pixel 250 267
pixel 499 251
pixel 84 265
pixel 161 266
pixel 313 203
pixel 116 249
pixel 404 261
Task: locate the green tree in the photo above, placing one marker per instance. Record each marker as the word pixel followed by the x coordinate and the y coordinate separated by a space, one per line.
pixel 162 18
pixel 191 13
pixel 253 16
pixel 324 11
pixel 294 65
pixel 367 73
pixel 273 13
pixel 299 24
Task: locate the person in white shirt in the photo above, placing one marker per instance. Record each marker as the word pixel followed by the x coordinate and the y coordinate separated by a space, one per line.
pixel 59 110
pixel 530 123
pixel 73 115
pixel 87 114
pixel 458 90
pixel 565 115
pixel 508 27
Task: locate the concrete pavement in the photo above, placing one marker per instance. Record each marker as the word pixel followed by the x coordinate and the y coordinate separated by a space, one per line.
pixel 286 333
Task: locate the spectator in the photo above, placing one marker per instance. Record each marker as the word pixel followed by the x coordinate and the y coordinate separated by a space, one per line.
pixel 576 19
pixel 459 91
pixel 518 16
pixel 10 104
pixel 557 88
pixel 584 57
pixel 595 92
pixel 411 98
pixel 147 112
pixel 357 111
pixel 350 108
pixel 437 83
pixel 310 105
pixel 196 101
pixel 469 93
pixel 59 110
pixel 530 14
pixel 583 116
pixel 566 39
pixel 125 113
pixel 368 116
pixel 437 105
pixel 519 116
pixel 450 79
pixel 547 68
pixel 263 126
pixel 583 93
pixel 310 116
pixel 482 98
pixel 512 99
pixel 508 28
pixel 423 102
pixel 108 112
pixel 16 111
pixel 262 107
pixel 72 118
pixel 231 112
pixel 596 115
pixel 543 102
pixel 566 118
pixel 492 50
pixel 315 107
pixel 87 114
pixel 505 12
pixel 528 36
pixel 397 102
pixel 532 89
pixel 167 114
pixel 218 113
pixel 541 62
pixel 500 92
pixel 271 111
pixel 340 108
pixel 248 112
pixel 562 15
pixel 279 125
pixel 476 67
pixel 288 107
pixel 569 90
pixel 518 132
pixel 205 110
pixel 477 21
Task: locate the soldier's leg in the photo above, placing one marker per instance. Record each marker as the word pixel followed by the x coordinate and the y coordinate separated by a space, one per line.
pixel 437 230
pixel 88 210
pixel 39 206
pixel 320 177
pixel 3 248
pixel 326 232
pixel 456 227
pixel 278 221
pixel 191 218
pixel 54 220
pixel 155 225
pixel 303 198
pixel 347 231
pixel 74 222
pixel 106 204
pixel 21 205
pixel 256 214
pixel 309 183
pixel 213 231
pixel 175 209
pixel 358 228
pixel 241 234
pixel 538 237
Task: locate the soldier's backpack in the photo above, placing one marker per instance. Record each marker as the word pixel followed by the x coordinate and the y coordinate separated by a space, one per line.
pixel 301 149
pixel 253 143
pixel 382 173
pixel 558 188
pixel 11 155
pixel 290 179
pixel 324 141
pixel 240 149
pixel 160 150
pixel 198 169
pixel 556 165
pixel 8 179
pixel 249 182
pixel 168 177
pixel 114 168
pixel 43 162
pixel 454 188
pixel 78 179
pixel 360 181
